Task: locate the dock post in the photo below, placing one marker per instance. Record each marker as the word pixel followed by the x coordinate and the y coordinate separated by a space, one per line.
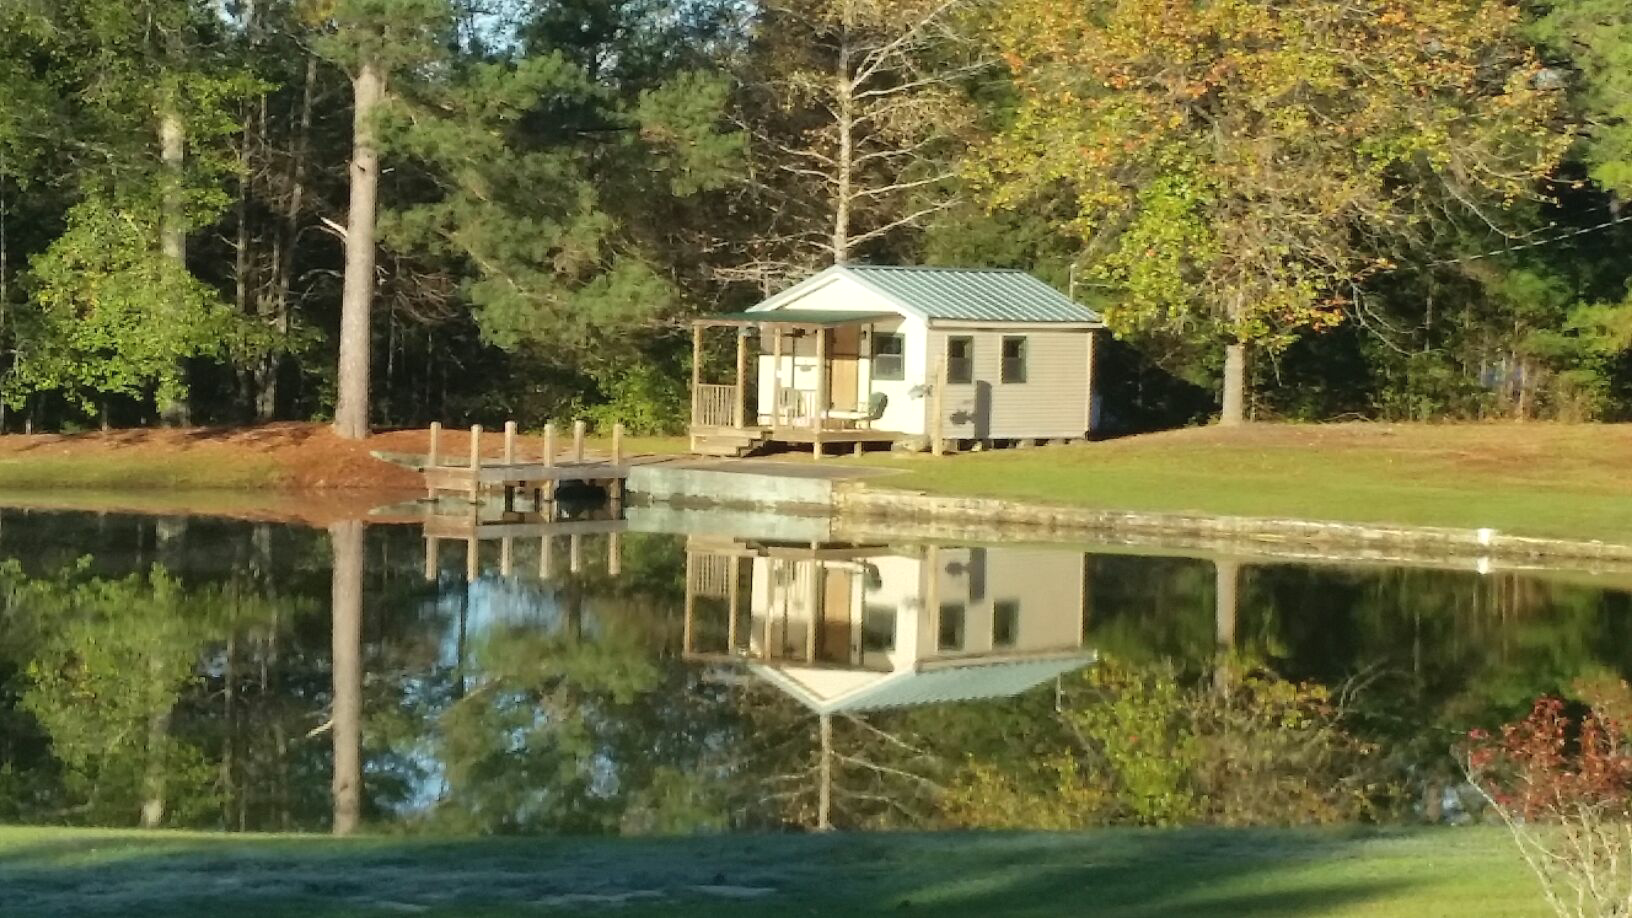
pixel 579 429
pixel 614 488
pixel 473 558
pixel 575 553
pixel 614 554
pixel 475 461
pixel 509 461
pixel 432 543
pixel 546 557
pixel 507 556
pixel 549 463
pixel 434 459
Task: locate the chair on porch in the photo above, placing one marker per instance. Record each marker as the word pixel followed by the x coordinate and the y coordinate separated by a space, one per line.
pixel 876 404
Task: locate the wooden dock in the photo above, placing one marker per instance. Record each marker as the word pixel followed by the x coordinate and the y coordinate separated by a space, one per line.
pixel 540 476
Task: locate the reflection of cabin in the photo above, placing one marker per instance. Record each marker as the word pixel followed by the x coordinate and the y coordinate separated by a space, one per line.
pixel 854 355
pixel 858 627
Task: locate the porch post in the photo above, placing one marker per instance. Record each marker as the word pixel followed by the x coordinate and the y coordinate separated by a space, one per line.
pixel 696 367
pixel 776 374
pixel 742 378
pixel 821 400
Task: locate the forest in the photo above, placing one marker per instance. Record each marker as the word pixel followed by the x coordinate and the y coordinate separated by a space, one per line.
pixel 384 212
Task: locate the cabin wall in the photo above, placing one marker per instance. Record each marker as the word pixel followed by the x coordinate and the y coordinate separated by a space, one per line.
pixel 1052 403
pixel 972 586
pixel 905 409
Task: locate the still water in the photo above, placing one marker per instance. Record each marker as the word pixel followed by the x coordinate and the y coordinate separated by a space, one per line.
pixel 681 672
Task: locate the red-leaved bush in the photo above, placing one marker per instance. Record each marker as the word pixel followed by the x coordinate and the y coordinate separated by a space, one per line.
pixel 1564 789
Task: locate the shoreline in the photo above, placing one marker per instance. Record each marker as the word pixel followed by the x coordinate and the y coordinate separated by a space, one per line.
pixel 959 516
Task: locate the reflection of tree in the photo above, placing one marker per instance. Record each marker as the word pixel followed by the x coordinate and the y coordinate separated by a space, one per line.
pixel 1438 651
pixel 347 612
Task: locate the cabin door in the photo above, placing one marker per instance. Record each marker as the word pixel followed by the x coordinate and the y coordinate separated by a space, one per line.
pixel 836 632
pixel 844 367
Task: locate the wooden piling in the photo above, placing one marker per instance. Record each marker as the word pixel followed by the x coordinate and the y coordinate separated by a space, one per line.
pixel 546 557
pixel 507 556
pixel 434 459
pixel 431 560
pixel 475 461
pixel 579 429
pixel 509 442
pixel 614 554
pixel 614 488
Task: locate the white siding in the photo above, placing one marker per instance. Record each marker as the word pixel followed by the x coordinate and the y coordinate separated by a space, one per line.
pixel 905 409
pixel 1051 403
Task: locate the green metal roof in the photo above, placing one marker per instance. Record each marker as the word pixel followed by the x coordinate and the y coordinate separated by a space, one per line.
pixel 972 682
pixel 826 318
pixel 954 294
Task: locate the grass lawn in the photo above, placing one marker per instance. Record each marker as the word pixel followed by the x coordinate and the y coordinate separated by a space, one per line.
pixel 1439 873
pixel 1551 480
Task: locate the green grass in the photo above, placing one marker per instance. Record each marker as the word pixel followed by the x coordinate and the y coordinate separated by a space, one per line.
pixel 1117 874
pixel 1553 481
pixel 135 470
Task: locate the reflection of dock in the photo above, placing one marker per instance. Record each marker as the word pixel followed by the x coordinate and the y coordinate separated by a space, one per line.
pixel 546 527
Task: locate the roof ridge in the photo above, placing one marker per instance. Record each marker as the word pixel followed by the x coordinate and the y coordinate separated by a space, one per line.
pixel 947 268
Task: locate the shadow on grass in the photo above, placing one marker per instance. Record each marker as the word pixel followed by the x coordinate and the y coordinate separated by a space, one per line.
pixel 1125 874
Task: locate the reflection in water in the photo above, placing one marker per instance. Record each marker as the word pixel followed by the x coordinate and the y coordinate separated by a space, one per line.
pixel 674 672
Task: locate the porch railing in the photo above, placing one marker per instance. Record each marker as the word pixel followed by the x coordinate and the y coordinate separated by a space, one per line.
pixel 714 406
pixel 795 408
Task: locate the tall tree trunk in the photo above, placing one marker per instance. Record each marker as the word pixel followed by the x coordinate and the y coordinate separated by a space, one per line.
pixel 347 596
pixel 351 411
pixel 173 227
pixel 1235 385
pixel 843 177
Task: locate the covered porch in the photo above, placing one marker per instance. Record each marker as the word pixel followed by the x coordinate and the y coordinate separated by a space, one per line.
pixel 816 391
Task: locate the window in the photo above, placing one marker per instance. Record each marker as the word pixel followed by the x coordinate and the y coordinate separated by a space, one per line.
pixel 889 356
pixel 960 360
pixel 1014 359
pixel 950 632
pixel 878 629
pixel 1005 622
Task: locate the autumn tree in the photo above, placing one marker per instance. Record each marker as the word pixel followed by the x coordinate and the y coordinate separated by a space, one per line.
pixel 1234 170
pixel 858 116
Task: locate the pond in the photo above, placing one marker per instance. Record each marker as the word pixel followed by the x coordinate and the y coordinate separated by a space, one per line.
pixel 675 672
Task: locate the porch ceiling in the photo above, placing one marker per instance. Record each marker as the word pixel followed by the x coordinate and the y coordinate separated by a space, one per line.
pixel 808 318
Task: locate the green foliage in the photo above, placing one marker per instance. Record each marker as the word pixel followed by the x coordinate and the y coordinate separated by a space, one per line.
pixel 114 316
pixel 1595 37
pixel 647 398
pixel 1150 750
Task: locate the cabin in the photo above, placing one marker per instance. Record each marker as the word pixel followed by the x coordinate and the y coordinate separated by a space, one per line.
pixel 875 354
pixel 848 628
